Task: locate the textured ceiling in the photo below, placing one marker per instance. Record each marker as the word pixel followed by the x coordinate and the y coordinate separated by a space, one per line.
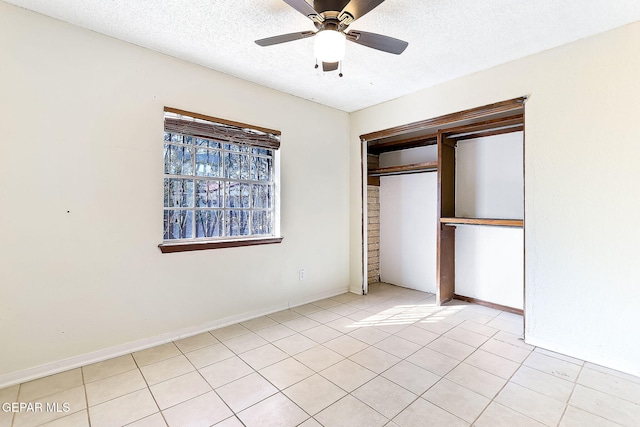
pixel 447 38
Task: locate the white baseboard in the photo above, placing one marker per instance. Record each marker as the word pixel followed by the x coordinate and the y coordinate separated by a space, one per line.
pixel 29 374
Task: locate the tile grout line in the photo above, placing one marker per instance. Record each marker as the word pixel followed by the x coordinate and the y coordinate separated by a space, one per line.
pixel 575 383
pixel 435 404
pixel 376 376
pixel 205 380
pixel 608 394
pixel 148 389
pixel 258 373
pixel 49 395
pixel 404 359
pixel 279 391
pixel 564 410
pixel 508 380
pixel 13 416
pixel 86 397
pixel 448 372
pixel 590 388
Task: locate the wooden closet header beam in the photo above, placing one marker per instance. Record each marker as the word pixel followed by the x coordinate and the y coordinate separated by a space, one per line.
pixel 492 132
pixel 469 131
pixel 448 119
pixel 403 144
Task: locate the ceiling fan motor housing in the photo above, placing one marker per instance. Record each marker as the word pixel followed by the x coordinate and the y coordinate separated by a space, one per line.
pixel 332 18
pixel 322 6
pixel 329 24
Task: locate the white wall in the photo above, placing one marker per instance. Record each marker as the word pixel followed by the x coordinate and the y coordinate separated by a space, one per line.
pixel 409 156
pixel 581 159
pixel 490 177
pixel 81 116
pixel 489 184
pixel 490 264
pixel 408 217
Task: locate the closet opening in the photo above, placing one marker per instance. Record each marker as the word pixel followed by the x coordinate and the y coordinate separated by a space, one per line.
pixel 444 206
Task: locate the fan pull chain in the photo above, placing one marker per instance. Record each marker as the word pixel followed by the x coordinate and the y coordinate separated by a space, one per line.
pixel 340 69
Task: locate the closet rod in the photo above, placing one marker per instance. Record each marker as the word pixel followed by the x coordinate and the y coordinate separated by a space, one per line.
pixel 404 169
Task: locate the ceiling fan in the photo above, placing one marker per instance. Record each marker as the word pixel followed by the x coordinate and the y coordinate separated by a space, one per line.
pixel 332 18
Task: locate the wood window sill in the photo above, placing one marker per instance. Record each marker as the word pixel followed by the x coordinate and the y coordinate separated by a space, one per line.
pixel 200 246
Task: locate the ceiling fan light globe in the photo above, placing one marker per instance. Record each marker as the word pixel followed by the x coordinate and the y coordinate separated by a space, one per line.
pixel 329 46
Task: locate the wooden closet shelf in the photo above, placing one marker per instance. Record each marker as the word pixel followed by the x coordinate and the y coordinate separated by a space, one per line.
pixel 483 221
pixel 404 169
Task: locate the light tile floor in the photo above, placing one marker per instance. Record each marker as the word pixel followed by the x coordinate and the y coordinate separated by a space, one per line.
pixel 390 358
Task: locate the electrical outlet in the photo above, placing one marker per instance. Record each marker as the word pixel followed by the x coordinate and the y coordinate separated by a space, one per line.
pixel 301 274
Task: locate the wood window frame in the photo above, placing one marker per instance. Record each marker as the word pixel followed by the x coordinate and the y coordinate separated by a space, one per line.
pixel 263 140
pixel 199 246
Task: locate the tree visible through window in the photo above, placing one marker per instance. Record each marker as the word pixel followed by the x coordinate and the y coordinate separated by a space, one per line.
pixel 219 180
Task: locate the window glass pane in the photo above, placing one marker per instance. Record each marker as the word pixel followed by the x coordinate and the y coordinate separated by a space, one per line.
pixel 201 142
pixel 176 159
pixel 264 169
pixel 232 194
pixel 253 175
pixel 167 157
pixel 209 223
pixel 178 224
pixel 258 150
pixel 237 222
pixel 215 163
pixel 261 196
pixel 244 167
pixel 261 168
pixel 209 194
pixel 261 222
pixel 237 195
pixel 232 165
pixel 179 193
pixel 167 221
pixel 187 161
pixel 208 163
pixel 166 192
pixel 202 167
pixel 172 159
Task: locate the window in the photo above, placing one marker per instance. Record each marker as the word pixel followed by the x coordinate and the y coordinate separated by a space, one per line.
pixel 220 183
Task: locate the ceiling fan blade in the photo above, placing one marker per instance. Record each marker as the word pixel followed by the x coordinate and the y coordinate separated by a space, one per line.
pixel 283 38
pixel 302 6
pixel 359 8
pixel 330 66
pixel 378 41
